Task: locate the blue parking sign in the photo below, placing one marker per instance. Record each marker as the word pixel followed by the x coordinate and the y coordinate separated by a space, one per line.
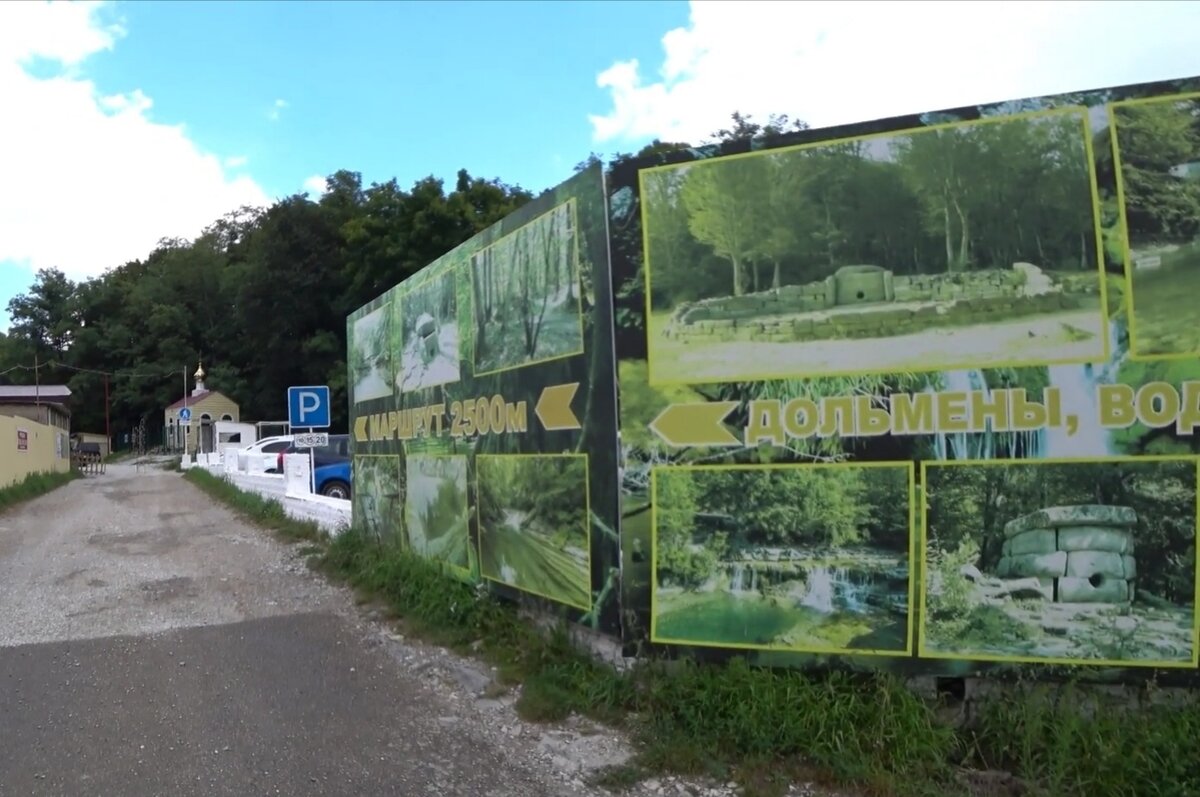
pixel 308 407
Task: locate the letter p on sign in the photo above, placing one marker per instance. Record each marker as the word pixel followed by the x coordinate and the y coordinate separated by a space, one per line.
pixel 308 407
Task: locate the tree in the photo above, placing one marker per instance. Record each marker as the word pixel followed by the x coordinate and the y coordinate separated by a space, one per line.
pixel 1152 139
pixel 46 316
pixel 724 201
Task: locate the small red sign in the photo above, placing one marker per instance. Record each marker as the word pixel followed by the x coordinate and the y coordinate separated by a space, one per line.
pixel 22 440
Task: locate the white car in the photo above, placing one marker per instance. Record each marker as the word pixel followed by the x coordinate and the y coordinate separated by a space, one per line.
pixel 260 457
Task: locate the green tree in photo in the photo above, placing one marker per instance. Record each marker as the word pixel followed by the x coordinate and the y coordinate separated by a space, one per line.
pixel 1154 139
pixel 675 510
pixel 981 195
pixel 724 201
pixel 527 293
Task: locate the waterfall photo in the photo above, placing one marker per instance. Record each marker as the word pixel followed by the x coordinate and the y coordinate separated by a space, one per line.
pixel 371 356
pixel 1068 562
pixel 1076 386
pixel 377 494
pixel 955 245
pixel 1158 147
pixel 526 294
pixel 534 524
pixel 437 509
pixel 793 557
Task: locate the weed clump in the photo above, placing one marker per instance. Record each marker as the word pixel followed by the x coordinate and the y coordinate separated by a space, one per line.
pixel 32 486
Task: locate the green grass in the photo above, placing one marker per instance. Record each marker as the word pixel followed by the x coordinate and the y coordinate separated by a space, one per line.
pixel 761 727
pixel 1068 741
pixel 32 486
pixel 255 508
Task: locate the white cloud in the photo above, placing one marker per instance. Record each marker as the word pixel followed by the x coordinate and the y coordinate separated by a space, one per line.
pixel 316 186
pixel 276 108
pixel 837 62
pixel 236 161
pixel 90 181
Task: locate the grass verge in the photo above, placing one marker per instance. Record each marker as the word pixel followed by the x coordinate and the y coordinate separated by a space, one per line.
pixel 255 508
pixel 32 486
pixel 767 728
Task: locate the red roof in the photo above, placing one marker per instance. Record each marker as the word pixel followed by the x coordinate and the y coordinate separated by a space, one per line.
pixel 190 400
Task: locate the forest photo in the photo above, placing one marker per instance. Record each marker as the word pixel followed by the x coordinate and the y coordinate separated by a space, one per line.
pixel 436 508
pixel 427 318
pixel 1061 562
pixel 534 524
pixel 376 497
pixel 964 245
pixel 371 356
pixel 1158 146
pixel 793 557
pixel 526 294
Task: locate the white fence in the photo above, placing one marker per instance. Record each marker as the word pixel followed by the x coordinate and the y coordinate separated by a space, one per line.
pixel 292 488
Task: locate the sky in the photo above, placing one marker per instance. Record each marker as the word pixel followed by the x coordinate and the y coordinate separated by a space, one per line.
pixel 122 123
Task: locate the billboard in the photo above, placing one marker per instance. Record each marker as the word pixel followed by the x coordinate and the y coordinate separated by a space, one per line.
pixel 483 408
pixel 917 393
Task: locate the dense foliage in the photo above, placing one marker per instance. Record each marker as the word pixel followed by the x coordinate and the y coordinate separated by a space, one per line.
pixel 546 491
pixel 1160 156
pixel 977 196
pixel 791 507
pixel 261 296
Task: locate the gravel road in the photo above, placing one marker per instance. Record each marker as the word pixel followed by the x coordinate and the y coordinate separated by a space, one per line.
pixel 153 643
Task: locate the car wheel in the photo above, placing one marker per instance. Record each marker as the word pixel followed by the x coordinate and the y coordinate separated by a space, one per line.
pixel 336 489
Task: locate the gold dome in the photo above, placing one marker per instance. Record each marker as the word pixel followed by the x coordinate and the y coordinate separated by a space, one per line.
pixel 199 375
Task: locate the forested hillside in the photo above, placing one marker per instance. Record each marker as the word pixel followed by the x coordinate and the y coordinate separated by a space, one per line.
pixel 261 296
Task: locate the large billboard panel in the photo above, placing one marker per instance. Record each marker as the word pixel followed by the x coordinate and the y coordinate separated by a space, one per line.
pixel 918 393
pixel 483 408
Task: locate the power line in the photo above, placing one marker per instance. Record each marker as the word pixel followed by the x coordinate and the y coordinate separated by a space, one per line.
pixel 113 374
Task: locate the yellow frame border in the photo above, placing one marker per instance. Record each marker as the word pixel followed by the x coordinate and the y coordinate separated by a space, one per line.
pixel 587 506
pixel 1123 221
pixel 385 309
pixel 437 273
pixel 1093 183
pixel 923 653
pixel 907 652
pixel 577 278
pixel 402 533
pixel 464 572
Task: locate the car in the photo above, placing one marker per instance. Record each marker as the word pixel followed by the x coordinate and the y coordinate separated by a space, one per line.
pixel 333 479
pixel 268 445
pixel 331 466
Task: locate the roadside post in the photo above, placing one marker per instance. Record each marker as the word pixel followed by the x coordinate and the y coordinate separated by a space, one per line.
pixel 308 407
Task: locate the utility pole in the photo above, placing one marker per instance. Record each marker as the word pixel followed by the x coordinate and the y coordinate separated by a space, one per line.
pixel 37 386
pixel 107 427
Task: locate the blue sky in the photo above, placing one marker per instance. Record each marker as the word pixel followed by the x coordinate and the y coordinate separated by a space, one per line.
pixel 283 91
pixel 401 89
pixel 127 122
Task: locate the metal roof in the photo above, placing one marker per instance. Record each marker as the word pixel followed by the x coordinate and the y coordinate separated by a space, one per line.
pixel 21 394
